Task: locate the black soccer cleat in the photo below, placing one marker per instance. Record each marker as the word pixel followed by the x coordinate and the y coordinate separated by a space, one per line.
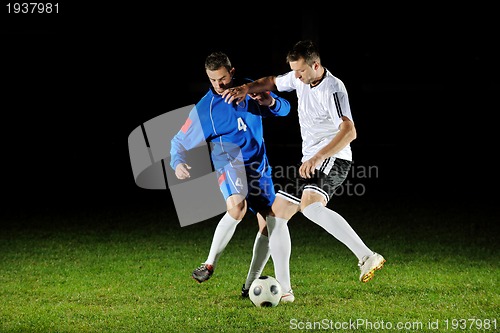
pixel 203 273
pixel 244 291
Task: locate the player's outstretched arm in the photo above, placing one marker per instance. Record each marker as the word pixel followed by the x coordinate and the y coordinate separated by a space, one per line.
pixel 238 93
pixel 263 98
pixel 277 106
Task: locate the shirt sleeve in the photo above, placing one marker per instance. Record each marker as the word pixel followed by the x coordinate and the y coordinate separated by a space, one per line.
pixel 189 136
pixel 338 107
pixel 280 109
pixel 286 82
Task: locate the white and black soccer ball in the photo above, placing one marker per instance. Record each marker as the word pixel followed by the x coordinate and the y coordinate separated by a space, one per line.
pixel 265 292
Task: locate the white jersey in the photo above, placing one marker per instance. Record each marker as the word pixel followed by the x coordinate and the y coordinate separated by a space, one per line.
pixel 320 110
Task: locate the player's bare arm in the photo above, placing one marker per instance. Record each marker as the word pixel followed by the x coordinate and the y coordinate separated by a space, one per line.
pixel 182 171
pixel 346 135
pixel 238 93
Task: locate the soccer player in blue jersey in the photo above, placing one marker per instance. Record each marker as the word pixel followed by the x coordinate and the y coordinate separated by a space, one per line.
pixel 327 129
pixel 238 153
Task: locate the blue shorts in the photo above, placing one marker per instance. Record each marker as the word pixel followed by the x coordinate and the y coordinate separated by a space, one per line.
pixel 256 186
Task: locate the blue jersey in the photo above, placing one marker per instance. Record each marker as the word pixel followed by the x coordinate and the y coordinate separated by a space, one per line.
pixel 237 150
pixel 231 130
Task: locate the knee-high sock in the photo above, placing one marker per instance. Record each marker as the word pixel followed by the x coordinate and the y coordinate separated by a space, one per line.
pixel 338 227
pixel 260 257
pixel 281 248
pixel 222 235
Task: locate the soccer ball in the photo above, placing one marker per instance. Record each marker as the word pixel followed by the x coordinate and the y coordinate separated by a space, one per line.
pixel 265 292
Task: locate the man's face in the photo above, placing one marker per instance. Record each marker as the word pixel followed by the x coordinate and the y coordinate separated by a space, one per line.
pixel 303 71
pixel 221 79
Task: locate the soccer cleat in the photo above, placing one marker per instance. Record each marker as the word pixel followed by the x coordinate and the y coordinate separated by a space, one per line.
pixel 244 291
pixel 288 297
pixel 369 264
pixel 203 273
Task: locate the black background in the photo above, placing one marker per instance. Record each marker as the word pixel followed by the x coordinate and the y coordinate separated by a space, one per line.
pixel 423 87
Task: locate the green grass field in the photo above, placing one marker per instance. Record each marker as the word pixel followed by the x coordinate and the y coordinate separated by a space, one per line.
pixel 128 270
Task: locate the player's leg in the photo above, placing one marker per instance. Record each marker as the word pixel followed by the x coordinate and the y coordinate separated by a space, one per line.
pixel 226 227
pixel 280 242
pixel 260 255
pixel 223 233
pixel 236 209
pixel 313 205
pixel 316 211
pixel 260 199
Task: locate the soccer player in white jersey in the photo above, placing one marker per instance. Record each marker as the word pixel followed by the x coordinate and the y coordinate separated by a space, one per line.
pixel 327 129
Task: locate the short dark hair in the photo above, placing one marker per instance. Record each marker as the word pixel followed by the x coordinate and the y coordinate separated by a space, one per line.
pixel 216 60
pixel 304 49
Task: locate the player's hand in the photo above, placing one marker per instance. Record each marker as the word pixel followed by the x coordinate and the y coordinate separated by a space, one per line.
pixel 263 98
pixel 182 171
pixel 236 94
pixel 308 167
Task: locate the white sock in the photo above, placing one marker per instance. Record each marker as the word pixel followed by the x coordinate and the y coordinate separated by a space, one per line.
pixel 260 257
pixel 222 235
pixel 281 248
pixel 337 226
